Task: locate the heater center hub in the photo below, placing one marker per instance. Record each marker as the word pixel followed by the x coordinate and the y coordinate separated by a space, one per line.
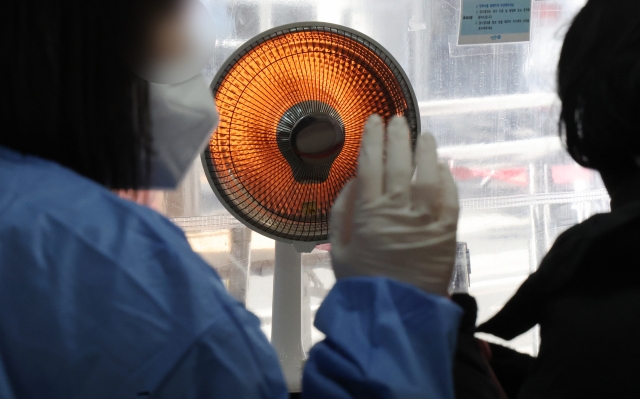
pixel 317 139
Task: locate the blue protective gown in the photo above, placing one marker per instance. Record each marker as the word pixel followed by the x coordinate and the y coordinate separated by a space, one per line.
pixel 102 298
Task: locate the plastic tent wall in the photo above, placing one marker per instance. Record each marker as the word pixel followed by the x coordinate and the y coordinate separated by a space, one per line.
pixel 494 113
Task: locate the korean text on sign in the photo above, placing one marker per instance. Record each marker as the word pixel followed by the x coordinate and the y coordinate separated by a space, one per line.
pixel 484 22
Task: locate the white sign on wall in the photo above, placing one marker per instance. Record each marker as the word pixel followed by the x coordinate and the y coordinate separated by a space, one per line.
pixel 487 22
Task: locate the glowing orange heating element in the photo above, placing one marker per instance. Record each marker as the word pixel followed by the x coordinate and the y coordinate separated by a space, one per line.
pixel 284 95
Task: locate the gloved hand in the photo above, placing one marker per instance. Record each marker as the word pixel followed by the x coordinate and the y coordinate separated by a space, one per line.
pixel 383 224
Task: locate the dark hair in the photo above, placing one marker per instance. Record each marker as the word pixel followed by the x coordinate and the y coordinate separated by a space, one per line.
pixel 599 85
pixel 66 93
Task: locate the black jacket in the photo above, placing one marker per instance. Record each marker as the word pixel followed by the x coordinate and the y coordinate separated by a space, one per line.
pixel 586 298
pixel 471 374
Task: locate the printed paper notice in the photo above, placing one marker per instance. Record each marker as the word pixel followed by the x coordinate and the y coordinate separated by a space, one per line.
pixel 486 22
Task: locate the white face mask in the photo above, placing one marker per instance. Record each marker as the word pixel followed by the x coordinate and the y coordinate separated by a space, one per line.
pixel 183 118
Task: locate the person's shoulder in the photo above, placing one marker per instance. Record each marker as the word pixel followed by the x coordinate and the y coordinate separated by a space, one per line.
pixel 595 227
pixel 582 242
pixel 53 220
pixel 40 198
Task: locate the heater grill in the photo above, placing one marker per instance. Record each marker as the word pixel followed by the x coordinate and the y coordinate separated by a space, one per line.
pixel 293 103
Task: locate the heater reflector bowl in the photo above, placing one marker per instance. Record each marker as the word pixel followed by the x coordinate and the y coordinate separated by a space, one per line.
pixel 293 103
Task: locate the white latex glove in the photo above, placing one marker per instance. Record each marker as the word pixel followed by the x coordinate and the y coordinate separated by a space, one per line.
pixel 383 224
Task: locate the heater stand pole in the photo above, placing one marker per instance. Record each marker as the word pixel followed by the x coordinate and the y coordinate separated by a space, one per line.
pixel 286 327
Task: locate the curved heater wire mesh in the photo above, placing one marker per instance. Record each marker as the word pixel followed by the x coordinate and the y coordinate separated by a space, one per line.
pixel 324 73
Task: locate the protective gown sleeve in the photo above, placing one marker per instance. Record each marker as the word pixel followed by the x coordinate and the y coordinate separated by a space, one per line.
pixel 220 365
pixel 384 339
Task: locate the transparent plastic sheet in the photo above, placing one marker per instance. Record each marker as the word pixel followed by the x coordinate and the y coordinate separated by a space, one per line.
pixel 493 111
